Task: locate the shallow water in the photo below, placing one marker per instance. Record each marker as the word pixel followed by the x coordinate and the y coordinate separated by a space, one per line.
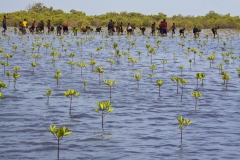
pixel 142 126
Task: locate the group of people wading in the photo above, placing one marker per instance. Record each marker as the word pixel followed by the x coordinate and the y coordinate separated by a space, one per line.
pixel 162 28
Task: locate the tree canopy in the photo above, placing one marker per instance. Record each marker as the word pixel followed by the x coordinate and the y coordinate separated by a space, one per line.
pixel 38 12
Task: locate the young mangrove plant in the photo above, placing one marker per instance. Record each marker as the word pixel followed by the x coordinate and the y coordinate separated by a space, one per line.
pixel 85 84
pixel 210 59
pixel 48 93
pixel 226 78
pixel 190 61
pixel 152 52
pixel 8 56
pixel 153 67
pixel 164 62
pixel 71 64
pixel 36 56
pixel 220 66
pixel 159 84
pixel 138 78
pixel 2 85
pixel 9 75
pixel 33 65
pixel 111 62
pixel 104 107
pixel 183 123
pixel 15 76
pixel 100 71
pixel 196 95
pixel 92 63
pixel 57 75
pixel 133 61
pixel 70 94
pixel 16 69
pixel 181 68
pixel 110 84
pixel 139 54
pixel 176 80
pixel 81 65
pixel 59 133
pixel 183 83
pixel 71 55
pixel 4 65
pixel 200 77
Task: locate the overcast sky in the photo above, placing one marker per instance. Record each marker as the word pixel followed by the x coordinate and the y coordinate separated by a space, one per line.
pixel 96 7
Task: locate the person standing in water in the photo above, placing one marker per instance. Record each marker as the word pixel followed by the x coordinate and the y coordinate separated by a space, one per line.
pixel 4 24
pixel 173 28
pixel 48 26
pixel 181 31
pixel 214 30
pixel 153 29
pixel 164 27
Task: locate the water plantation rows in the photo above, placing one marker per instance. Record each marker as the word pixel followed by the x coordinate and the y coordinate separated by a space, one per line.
pixel 120 97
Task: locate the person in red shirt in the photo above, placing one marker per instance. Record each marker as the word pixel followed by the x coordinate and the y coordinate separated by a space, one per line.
pixel 164 27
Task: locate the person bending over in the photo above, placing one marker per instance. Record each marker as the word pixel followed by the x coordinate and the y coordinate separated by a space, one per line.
pixel 214 30
pixel 181 31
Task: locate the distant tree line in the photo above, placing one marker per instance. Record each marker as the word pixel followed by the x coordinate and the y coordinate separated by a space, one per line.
pixel 38 11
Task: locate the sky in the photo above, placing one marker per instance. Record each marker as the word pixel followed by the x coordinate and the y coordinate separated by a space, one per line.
pixel 168 7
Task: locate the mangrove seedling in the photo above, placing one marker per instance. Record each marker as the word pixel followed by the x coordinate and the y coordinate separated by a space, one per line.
pixel 153 67
pixel 85 84
pixel 104 107
pixel 151 75
pixel 111 62
pixel 1 96
pixel 9 75
pixel 7 56
pixel 15 76
pixel 176 80
pixel 71 55
pixel 138 78
pixel 48 93
pixel 35 56
pixel 133 61
pixel 71 64
pixel 196 95
pixel 190 61
pixel 4 65
pixel 164 62
pixel 110 84
pixel 16 69
pixel 183 123
pixel 159 84
pixel 152 52
pixel 81 65
pixel 70 94
pixel 182 68
pixel 233 58
pixel 139 54
pixel 220 66
pixel 59 133
pixel 200 77
pixel 57 75
pixel 92 63
pixel 183 83
pixel 225 77
pixel 33 65
pixel 2 85
pixel 100 71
